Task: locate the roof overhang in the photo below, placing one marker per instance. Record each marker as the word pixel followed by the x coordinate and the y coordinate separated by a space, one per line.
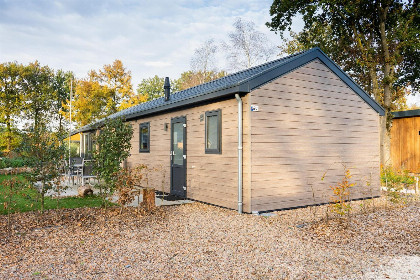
pixel 282 67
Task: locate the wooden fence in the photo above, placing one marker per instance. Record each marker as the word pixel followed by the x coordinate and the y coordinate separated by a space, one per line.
pixel 405 143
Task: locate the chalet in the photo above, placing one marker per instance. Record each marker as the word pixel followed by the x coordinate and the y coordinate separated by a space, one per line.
pixel 270 137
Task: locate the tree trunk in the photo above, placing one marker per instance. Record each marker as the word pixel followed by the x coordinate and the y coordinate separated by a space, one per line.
pixel 375 87
pixel 149 198
pixel 387 84
pixel 385 141
pixel 9 134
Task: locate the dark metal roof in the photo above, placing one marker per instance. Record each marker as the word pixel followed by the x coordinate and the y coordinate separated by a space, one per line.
pixel 406 114
pixel 240 82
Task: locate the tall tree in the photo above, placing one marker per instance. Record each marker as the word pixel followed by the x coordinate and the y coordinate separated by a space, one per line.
pixel 37 83
pixel 203 65
pixel 89 102
pixel 376 42
pixel 102 93
pixel 61 95
pixel 152 88
pixel 247 46
pixel 117 79
pixel 9 141
pixel 11 98
pixel 191 78
pixel 204 58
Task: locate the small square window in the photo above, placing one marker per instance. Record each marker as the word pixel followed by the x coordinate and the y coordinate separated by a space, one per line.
pixel 213 134
pixel 144 137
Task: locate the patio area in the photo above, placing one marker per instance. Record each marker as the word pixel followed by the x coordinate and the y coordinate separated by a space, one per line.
pixel 71 189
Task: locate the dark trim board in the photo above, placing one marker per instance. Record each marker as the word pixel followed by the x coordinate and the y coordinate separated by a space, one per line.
pixel 406 114
pixel 351 83
pixel 180 104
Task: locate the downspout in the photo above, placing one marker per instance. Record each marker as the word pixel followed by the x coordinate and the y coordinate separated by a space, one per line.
pixel 238 98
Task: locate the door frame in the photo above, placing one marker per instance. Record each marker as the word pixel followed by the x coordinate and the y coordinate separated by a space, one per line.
pixel 183 120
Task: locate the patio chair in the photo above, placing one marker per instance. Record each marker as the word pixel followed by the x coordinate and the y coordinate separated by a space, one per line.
pixel 87 171
pixel 76 160
pixel 76 166
pixel 64 167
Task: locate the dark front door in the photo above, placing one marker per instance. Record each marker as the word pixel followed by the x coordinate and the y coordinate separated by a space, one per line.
pixel 178 156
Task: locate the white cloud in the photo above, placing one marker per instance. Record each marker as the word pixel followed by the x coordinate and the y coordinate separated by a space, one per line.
pixel 158 64
pixel 414 99
pixel 150 37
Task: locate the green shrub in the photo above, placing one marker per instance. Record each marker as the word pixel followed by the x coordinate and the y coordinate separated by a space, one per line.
pixel 113 147
pixel 391 176
pixel 44 151
pixel 395 181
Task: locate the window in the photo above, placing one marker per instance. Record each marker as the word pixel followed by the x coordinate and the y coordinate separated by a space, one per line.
pixel 87 145
pixel 144 137
pixel 213 135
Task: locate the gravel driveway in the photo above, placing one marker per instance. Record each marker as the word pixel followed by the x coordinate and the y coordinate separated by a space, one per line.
pixel 198 241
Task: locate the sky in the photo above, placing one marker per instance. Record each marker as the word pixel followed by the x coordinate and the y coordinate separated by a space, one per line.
pixel 150 37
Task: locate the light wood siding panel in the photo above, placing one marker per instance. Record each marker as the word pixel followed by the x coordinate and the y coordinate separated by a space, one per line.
pixel 308 126
pixel 211 178
pixel 405 144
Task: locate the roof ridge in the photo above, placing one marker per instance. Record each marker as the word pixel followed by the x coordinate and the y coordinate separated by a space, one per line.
pixel 249 69
pixel 211 89
pixel 283 60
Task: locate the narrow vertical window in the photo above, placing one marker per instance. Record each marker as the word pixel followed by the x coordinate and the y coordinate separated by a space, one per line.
pixel 87 145
pixel 213 134
pixel 144 137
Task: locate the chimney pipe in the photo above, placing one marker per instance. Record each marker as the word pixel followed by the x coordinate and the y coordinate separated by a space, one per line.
pixel 167 88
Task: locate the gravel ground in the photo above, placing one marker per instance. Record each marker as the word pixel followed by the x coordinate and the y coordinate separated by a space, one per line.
pixel 198 241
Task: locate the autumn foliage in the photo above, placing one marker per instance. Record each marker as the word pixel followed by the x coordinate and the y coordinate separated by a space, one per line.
pixel 341 204
pixel 133 182
pixel 103 93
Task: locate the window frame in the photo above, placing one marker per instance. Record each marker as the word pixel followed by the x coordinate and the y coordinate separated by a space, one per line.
pixel 142 125
pixel 215 113
pixel 87 144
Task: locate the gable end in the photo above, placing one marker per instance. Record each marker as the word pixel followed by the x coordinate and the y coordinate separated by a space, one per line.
pixel 305 58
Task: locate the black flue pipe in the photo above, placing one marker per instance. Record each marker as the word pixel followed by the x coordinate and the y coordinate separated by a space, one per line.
pixel 167 88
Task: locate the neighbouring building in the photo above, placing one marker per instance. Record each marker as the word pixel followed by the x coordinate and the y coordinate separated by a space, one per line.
pixel 405 140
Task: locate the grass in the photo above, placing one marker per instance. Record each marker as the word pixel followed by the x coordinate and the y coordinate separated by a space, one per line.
pixel 13 162
pixel 27 199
